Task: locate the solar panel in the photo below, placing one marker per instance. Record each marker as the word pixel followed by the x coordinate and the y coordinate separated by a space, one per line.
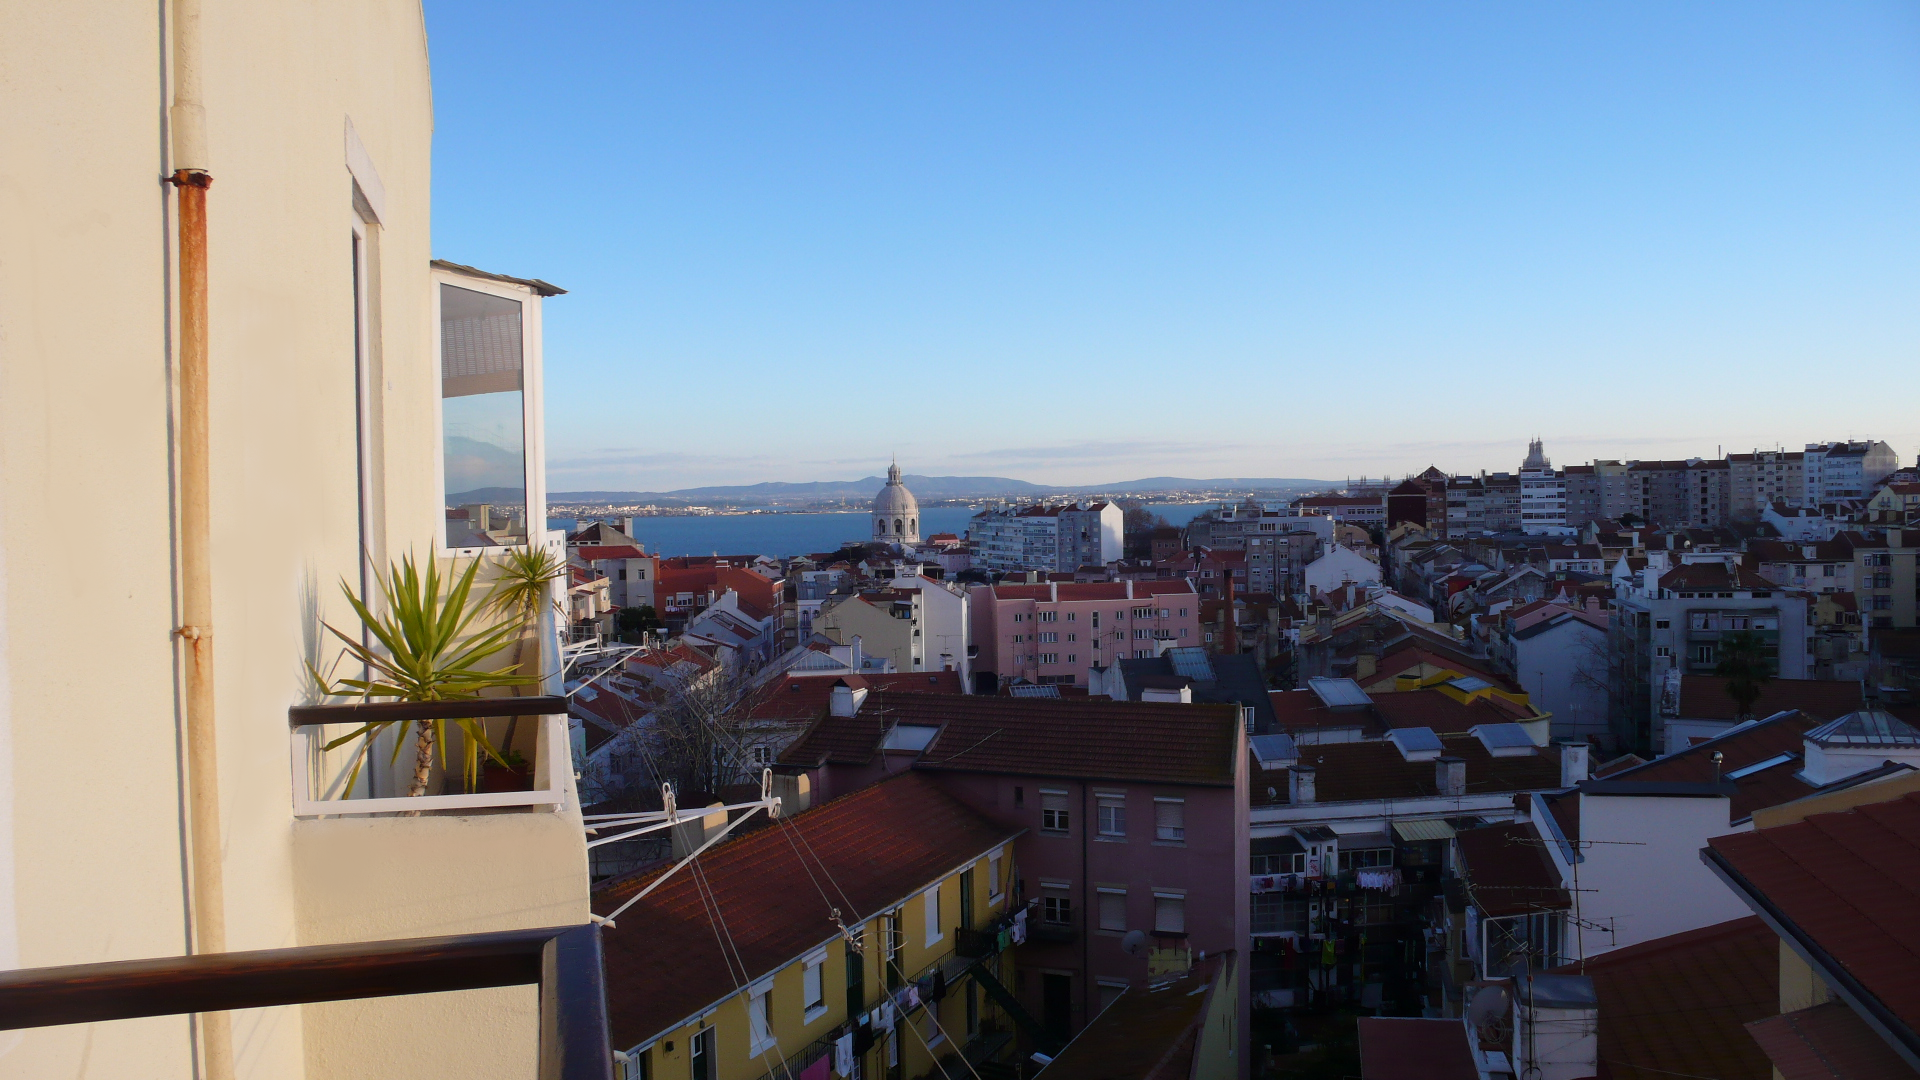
pixel 1339 693
pixel 1192 663
pixel 1469 683
pixel 1274 751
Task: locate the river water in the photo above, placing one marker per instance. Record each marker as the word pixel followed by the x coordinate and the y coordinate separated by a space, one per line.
pixel 784 534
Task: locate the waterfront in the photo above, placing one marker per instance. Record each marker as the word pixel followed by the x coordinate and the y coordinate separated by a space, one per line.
pixel 786 534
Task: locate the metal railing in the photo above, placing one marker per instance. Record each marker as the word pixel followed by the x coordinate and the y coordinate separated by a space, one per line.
pixel 565 962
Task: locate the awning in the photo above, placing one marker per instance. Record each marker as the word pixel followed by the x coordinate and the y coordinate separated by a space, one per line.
pixel 1276 845
pixel 1364 841
pixel 1427 829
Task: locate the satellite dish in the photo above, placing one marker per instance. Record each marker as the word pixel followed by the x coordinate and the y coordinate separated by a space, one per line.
pixel 1133 942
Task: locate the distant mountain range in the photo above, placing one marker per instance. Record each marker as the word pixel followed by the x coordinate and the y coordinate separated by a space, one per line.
pixel 924 487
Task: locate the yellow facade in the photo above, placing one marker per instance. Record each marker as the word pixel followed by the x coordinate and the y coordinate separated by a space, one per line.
pixel 924 1036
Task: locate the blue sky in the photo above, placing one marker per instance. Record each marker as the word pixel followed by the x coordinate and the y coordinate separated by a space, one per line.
pixel 1082 242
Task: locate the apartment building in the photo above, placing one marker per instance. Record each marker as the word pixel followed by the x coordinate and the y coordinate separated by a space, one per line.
pixel 630 572
pixel 1886 577
pixel 918 623
pixel 1765 478
pixel 1362 508
pixel 1055 632
pixel 1695 492
pixel 1846 470
pixel 278 298
pixel 1543 493
pixel 1058 539
pixel 862 933
pixel 1582 495
pixel 1669 623
pixel 1129 817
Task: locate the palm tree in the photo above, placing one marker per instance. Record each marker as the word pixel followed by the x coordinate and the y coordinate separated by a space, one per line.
pixel 520 592
pixel 1743 663
pixel 428 651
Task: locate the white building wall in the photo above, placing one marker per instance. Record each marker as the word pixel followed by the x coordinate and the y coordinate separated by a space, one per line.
pixel 1340 566
pixel 1564 671
pixel 1642 871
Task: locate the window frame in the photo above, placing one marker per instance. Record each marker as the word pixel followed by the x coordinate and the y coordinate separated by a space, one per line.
pixel 1169 896
pixel 930 916
pixel 532 401
pixel 1110 815
pixel 1062 825
pixel 1159 830
pixel 813 981
pixel 760 1037
pixel 1103 895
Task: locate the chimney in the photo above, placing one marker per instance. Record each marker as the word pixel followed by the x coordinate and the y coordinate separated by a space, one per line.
pixel 1450 775
pixel 1574 763
pixel 1129 588
pixel 1300 788
pixel 1053 592
pixel 846 700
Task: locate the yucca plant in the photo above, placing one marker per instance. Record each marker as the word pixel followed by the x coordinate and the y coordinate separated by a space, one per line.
pixel 521 590
pixel 428 651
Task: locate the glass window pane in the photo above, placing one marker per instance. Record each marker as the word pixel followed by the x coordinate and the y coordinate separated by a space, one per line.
pixel 483 418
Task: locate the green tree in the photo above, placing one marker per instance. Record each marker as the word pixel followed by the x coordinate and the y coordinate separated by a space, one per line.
pixel 1743 663
pixel 633 621
pixel 522 589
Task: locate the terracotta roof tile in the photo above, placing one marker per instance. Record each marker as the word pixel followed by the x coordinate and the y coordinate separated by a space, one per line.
pixel 1508 870
pixel 1401 1048
pixel 1705 697
pixel 1747 746
pixel 803 697
pixel 1850 884
pixel 877 845
pixel 1144 1034
pixel 1827 1042
pixel 1676 1005
pixel 1375 769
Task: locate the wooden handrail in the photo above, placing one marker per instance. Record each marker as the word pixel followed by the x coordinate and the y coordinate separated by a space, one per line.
pixel 384 711
pixel 564 960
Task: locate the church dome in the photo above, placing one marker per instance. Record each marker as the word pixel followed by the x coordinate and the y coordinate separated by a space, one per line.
pixel 896 513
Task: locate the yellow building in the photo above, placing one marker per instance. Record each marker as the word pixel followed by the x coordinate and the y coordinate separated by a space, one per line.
pixel 221 217
pixel 760 957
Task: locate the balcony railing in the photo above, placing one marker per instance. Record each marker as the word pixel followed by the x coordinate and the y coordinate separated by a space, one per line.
pixel 565 961
pixel 316 779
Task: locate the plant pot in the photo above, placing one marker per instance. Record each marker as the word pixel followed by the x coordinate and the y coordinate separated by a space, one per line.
pixel 495 779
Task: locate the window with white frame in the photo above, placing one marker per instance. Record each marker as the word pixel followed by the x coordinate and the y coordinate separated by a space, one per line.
pixel 1049 637
pixel 760 1018
pixel 1056 903
pixel 1169 912
pixel 813 985
pixel 932 903
pixel 485 353
pixel 1113 815
pixel 1049 616
pixel 1054 816
pixel 1170 820
pixel 1113 908
pixel 994 887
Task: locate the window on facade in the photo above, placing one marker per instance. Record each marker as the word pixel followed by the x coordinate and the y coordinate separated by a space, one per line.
pixel 1094 617
pixel 1827 570
pixel 701 1055
pixel 1662 650
pixel 1073 658
pixel 993 875
pixel 1183 613
pixel 1053 810
pixel 1663 624
pixel 1070 616
pixel 483 417
pixel 1056 907
pixel 932 903
pixel 1049 616
pixel 1170 820
pixel 1169 913
pixel 1363 858
pixel 1049 657
pixel 759 1020
pixel 1113 815
pixel 813 985
pixel 1113 909
pixel 1049 638
pixel 1703 654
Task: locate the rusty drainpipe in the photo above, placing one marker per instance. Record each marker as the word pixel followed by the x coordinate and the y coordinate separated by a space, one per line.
pixel 187 121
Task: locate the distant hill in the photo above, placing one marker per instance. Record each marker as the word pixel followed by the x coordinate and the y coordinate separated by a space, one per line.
pixel 925 487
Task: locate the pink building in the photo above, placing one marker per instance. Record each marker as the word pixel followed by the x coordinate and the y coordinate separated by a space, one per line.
pixel 1054 632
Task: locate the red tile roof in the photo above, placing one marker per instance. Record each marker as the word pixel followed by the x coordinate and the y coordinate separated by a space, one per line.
pixel 868 850
pixel 1675 1006
pixel 1508 870
pixel 1827 1042
pixel 1399 1048
pixel 1847 885
pixel 1374 769
pixel 611 551
pixel 1705 697
pixel 1739 749
pixel 1711 576
pixel 1145 1034
pixel 1091 738
pixel 803 697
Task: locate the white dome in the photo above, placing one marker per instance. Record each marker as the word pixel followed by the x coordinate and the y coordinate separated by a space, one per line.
pixel 895 498
pixel 896 513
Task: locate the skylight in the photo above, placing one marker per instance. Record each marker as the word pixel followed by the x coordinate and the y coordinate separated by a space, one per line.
pixel 909 737
pixel 1274 751
pixel 1759 766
